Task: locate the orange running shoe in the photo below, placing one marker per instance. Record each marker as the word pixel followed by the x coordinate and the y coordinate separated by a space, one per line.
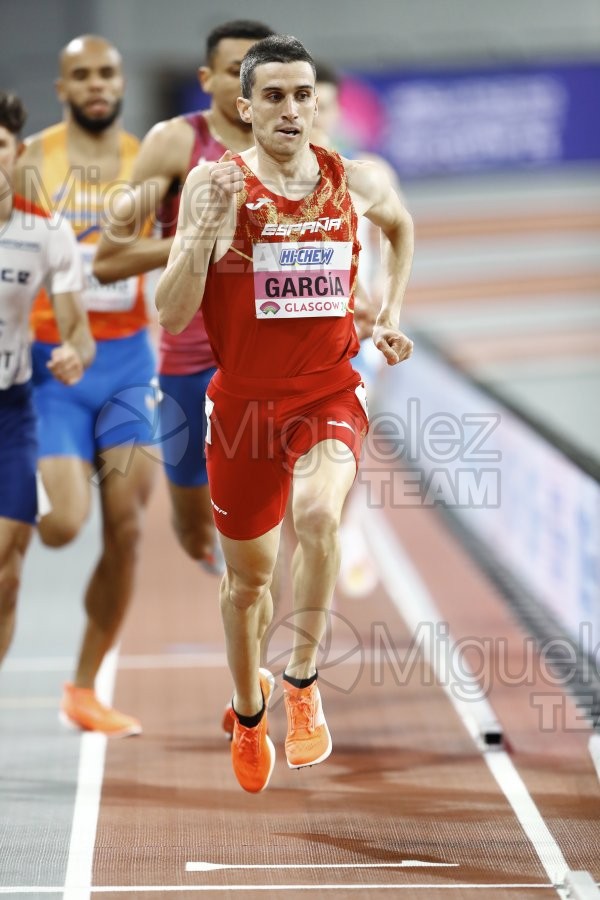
pixel 308 740
pixel 228 720
pixel 252 750
pixel 80 708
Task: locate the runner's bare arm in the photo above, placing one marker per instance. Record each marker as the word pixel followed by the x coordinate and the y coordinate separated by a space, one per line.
pixel 368 291
pixel 206 216
pixel 374 197
pixel 78 348
pixel 123 249
pixel 365 310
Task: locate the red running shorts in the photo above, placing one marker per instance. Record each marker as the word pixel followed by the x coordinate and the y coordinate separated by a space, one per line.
pixel 252 447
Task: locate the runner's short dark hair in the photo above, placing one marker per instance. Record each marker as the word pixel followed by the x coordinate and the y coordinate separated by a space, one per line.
pixel 12 113
pixel 282 48
pixel 238 29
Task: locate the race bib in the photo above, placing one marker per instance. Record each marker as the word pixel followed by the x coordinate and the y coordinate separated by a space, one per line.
pixel 301 280
pixel 119 296
pixel 15 360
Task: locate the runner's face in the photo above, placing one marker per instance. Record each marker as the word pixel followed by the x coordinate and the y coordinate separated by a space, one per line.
pixel 222 78
pixel 282 108
pixel 9 151
pixel 92 84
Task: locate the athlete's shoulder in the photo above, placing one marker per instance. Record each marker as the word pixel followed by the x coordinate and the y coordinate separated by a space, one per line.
pixel 47 139
pixel 201 172
pixel 33 151
pixel 50 233
pixel 366 174
pixel 177 129
pixel 167 147
pixel 197 120
pixel 130 141
pixel 38 148
pixel 384 166
pixel 22 205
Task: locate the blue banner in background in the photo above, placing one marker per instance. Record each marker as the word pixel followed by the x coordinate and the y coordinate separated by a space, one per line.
pixel 460 121
pixel 451 122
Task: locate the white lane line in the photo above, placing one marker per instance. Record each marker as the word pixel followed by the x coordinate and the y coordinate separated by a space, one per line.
pixel 158 661
pixel 29 702
pixel 39 664
pixel 594 748
pixel 403 864
pixel 581 886
pixel 512 785
pixel 415 604
pixel 190 888
pixel 78 877
pixel 208 660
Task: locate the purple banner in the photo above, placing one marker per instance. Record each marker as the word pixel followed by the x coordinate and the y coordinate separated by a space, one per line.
pixel 428 123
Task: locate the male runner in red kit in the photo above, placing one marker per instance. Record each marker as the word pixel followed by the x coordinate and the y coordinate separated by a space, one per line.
pixel 266 244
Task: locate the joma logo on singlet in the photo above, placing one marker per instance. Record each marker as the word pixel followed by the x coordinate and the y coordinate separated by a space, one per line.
pixel 14 276
pixel 262 201
pixel 323 224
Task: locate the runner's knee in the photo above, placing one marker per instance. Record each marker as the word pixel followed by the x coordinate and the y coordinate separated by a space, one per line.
pixel 9 589
pixel 57 529
pixel 123 535
pixel 197 538
pixel 247 590
pixel 316 523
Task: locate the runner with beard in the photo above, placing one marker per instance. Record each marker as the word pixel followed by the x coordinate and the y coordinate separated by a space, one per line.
pixel 100 423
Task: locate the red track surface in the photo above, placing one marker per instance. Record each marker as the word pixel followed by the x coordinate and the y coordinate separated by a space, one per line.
pixel 405 781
